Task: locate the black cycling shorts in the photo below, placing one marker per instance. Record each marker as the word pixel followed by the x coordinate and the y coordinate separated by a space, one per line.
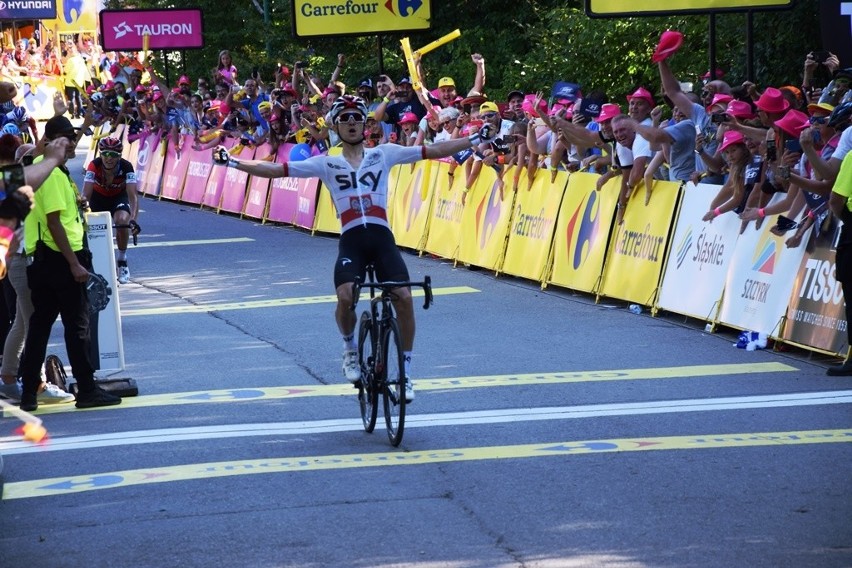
pixel 363 245
pixel 100 203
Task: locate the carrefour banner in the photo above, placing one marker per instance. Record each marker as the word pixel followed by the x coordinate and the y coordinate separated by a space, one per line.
pixel 485 222
pixel 445 225
pixel 258 187
pixel 349 17
pixel 638 247
pixel 583 225
pixel 236 182
pixel 700 255
pixel 760 280
pixel 411 209
pixel 533 224
pixel 816 316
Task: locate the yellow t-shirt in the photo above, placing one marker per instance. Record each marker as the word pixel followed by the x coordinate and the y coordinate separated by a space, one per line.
pixel 57 193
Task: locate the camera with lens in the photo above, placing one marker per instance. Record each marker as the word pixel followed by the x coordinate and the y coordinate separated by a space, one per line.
pixel 719 118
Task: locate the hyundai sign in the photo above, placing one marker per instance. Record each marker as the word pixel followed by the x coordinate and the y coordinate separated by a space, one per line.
pixel 320 18
pixel 124 30
pixel 27 9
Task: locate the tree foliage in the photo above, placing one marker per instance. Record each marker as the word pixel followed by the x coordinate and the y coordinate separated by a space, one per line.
pixel 527 45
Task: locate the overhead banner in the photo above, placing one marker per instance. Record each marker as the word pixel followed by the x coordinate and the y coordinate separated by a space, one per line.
pixel 816 316
pixel 638 247
pixel 358 17
pixel 613 8
pixel 28 10
pixel 760 280
pixel 124 30
pixel 700 256
pixel 582 228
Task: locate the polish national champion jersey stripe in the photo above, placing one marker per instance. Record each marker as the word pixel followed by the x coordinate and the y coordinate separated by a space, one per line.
pixel 360 196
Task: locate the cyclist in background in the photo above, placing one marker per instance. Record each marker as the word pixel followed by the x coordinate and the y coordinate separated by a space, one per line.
pixel 358 182
pixel 110 185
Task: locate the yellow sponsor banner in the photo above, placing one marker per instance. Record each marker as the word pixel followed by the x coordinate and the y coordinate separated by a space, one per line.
pixel 624 7
pixel 445 224
pixel 485 221
pixel 326 220
pixel 75 16
pixel 38 91
pixel 584 222
pixel 411 208
pixel 634 262
pixel 347 17
pixel 533 223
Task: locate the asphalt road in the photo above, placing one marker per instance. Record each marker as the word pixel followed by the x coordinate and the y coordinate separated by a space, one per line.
pixel 548 431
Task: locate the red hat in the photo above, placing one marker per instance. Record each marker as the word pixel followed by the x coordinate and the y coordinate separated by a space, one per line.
pixel 529 100
pixel 644 94
pixel 793 122
pixel 670 42
pixel 184 80
pixel 719 74
pixel 740 109
pixel 408 117
pixel 608 112
pixel 558 107
pixel 731 137
pixel 719 99
pixel 772 100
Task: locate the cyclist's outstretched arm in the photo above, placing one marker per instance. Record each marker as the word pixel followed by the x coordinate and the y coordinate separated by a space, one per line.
pixel 260 168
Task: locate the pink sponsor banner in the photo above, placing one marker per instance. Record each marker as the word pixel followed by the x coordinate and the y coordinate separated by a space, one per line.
pixel 174 169
pixel 306 208
pixel 197 171
pixel 141 162
pixel 123 30
pixel 213 189
pixel 236 182
pixel 154 169
pixel 258 189
pixel 284 192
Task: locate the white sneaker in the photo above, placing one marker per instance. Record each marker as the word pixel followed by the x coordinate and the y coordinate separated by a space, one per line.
pixel 52 394
pixel 409 390
pixel 351 368
pixel 123 274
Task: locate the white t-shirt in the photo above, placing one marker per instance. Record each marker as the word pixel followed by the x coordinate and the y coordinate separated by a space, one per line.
pixel 844 146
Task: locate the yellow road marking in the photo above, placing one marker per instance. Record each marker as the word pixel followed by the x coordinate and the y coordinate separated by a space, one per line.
pixel 205 308
pixel 197 242
pixel 293 464
pixel 270 393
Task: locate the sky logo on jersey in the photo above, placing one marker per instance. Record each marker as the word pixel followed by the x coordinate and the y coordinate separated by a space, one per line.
pixel 683 247
pixel 488 215
pixel 403 8
pixel 587 233
pixel 765 259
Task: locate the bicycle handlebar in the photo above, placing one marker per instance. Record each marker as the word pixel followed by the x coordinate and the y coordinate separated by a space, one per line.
pixel 386 288
pixel 134 227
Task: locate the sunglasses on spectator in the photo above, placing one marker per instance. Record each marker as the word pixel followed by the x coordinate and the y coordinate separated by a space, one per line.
pixel 818 119
pixel 110 154
pixel 488 115
pixel 350 117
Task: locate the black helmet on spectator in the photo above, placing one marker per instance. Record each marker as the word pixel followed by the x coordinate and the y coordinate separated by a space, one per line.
pixel 840 115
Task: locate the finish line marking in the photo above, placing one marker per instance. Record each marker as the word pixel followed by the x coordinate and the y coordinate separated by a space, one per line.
pixel 196 242
pixel 14 445
pixel 205 308
pixel 275 393
pixel 294 464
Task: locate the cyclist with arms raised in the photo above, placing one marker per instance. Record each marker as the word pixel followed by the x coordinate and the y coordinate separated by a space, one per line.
pixel 110 185
pixel 358 182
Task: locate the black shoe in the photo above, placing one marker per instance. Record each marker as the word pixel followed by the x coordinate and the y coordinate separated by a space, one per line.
pixel 844 370
pixel 29 402
pixel 96 397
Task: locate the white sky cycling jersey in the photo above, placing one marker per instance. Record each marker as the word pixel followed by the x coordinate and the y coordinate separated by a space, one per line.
pixel 360 196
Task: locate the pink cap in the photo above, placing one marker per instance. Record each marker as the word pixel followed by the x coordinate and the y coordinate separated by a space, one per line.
pixel 644 94
pixel 731 137
pixel 184 80
pixel 608 112
pixel 527 105
pixel 408 117
pixel 772 101
pixel 719 99
pixel 740 109
pixel 793 122
pixel 670 42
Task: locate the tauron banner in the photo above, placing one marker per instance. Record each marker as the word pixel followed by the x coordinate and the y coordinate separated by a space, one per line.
pixel 124 30
pixel 816 315
pixel 348 17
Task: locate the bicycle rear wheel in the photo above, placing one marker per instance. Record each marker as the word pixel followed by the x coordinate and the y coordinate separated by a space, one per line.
pixel 368 394
pixel 394 385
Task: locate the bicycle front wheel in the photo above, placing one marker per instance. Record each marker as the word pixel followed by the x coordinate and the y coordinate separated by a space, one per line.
pixel 394 375
pixel 368 394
